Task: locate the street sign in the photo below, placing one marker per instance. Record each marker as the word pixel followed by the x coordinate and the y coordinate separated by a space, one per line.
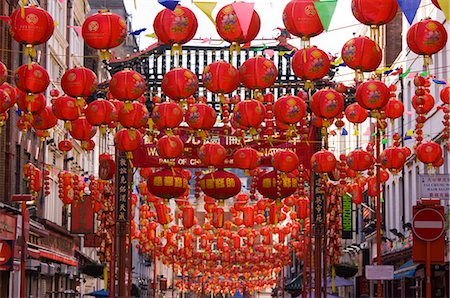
pixel 380 272
pixel 428 224
pixel 434 186
pixel 22 198
pixel 6 255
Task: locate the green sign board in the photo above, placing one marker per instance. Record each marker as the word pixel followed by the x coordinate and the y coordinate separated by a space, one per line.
pixel 347 217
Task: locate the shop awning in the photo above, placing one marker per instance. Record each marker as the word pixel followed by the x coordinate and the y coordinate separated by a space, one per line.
pixel 37 252
pixel 88 266
pixel 407 270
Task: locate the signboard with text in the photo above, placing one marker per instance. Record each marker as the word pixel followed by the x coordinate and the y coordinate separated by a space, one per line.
pixel 379 272
pixel 123 189
pixel 434 186
pixel 82 217
pixel 347 217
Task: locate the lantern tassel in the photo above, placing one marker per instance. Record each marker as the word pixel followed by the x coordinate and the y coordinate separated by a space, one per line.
pixel 102 130
pixel 128 106
pixel 22 8
pixel 235 47
pixel 105 55
pixel 176 49
pixel 130 158
pixel 68 125
pixel 309 85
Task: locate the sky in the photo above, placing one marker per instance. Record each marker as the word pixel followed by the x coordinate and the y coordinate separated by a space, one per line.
pixel 342 27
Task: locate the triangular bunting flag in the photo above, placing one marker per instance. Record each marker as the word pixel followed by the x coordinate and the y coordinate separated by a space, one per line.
pixel 244 13
pixel 325 9
pixel 207 8
pixel 170 4
pixel 409 8
pixel 152 35
pixel 76 28
pixel 344 132
pixel 445 7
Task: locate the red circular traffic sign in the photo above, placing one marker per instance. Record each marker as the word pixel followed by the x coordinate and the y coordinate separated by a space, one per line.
pixel 5 252
pixel 428 224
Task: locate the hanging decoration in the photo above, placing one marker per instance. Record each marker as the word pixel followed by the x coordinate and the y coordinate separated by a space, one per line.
pixel 310 64
pixel 362 55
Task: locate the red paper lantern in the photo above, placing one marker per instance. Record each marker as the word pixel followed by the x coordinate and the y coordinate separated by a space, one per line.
pixel 104 30
pixel 212 154
pixel 274 186
pixel 229 27
pixel 179 83
pixel 394 108
pixel 100 112
pixel 423 103
pixel 285 161
pixel 134 117
pixel 372 95
pixel 3 73
pixel 323 161
pixel 128 140
pixel 248 216
pixel 302 208
pixel 10 90
pixel 31 25
pixel 319 122
pixel 362 54
pixel 220 77
pixel 258 73
pixel 220 185
pixel 107 166
pixel 175 27
pixel 167 183
pixel 359 160
pixel 88 145
pixel 170 147
pixel 127 85
pixel 79 82
pixel 310 64
pixel 327 103
pixel 218 217
pixel 6 102
pixel 167 115
pixel 188 217
pixel 31 78
pixel 33 103
pixel 249 113
pixel 426 37
pixel 65 145
pixel 429 152
pixel 246 158
pixel 445 95
pixel 393 159
pixel 301 19
pixel 290 109
pixel 374 12
pixel 82 130
pixel 357 193
pixel 200 116
pixel 45 119
pixel 65 108
pixel 355 113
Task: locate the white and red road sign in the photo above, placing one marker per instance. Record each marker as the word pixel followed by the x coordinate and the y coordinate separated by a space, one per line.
pixel 428 224
pixel 5 254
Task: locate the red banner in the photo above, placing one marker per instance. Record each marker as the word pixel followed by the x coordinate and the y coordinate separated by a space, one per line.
pixel 82 219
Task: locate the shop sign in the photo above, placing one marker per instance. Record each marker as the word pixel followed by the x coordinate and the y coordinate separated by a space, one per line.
pixel 347 217
pixel 82 217
pixel 434 186
pixel 55 242
pixel 123 189
pixel 8 224
pixel 6 255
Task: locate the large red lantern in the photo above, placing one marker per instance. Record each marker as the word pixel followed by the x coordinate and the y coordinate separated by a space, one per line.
pixel 100 112
pixel 372 95
pixel 285 161
pixel 65 108
pixel 393 159
pixel 136 116
pixel 220 185
pixel 229 27
pixel 167 115
pixel 33 103
pixel 394 108
pixel 301 19
pixel 362 54
pixel 310 64
pixel 175 27
pixel 79 82
pixel 429 152
pixel 6 101
pixel 258 73
pixel 246 159
pixel 374 12
pixel 127 85
pixel 355 113
pixel 200 116
pixel 327 103
pixel 167 183
pixel 212 154
pixel 289 109
pixel 323 161
pixel 31 78
pixel 426 37
pixel 359 160
pixel 128 140
pixel 249 113
pixel 220 77
pixel 45 119
pixel 82 130
pixel 179 83
pixel 275 186
pixel 104 30
pixel 170 146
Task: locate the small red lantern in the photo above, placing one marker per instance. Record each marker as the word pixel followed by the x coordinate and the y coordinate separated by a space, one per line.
pixel 33 103
pixel 426 37
pixel 302 208
pixel 3 73
pixel 290 109
pixel 359 160
pixel 167 183
pixel 374 12
pixel 104 30
pixel 65 108
pixel 258 73
pixel 167 115
pixel 212 154
pixel 170 147
pixel 249 113
pixel 200 116
pixel 301 19
pixel 372 95
pixel 179 83
pixel 275 186
pixel 445 95
pixel 229 27
pixel 355 113
pixel 310 64
pixel 134 117
pixel 82 130
pixel 362 54
pixel 285 161
pixel 323 161
pixel 429 152
pixel 128 140
pixel 393 159
pixel 246 159
pixel 107 166
pixel 327 103
pixel 88 145
pixel 79 82
pixel 220 77
pixel 45 119
pixel 100 112
pixel 356 191
pixel 220 185
pixel 394 108
pixel 65 145
pixel 188 217
pixel 31 78
pixel 423 103
pixel 175 27
pixel 127 85
pixel 6 102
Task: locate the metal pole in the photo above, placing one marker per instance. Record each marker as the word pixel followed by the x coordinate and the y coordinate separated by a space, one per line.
pixel 154 273
pixel 112 262
pixel 378 182
pixel 282 283
pixel 122 262
pixel 305 263
pixel 23 251
pixel 428 271
pixel 130 255
pixel 325 248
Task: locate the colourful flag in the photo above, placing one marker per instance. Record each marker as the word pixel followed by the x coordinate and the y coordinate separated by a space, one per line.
pixel 409 8
pixel 244 13
pixel 207 8
pixel 325 10
pixel 445 7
